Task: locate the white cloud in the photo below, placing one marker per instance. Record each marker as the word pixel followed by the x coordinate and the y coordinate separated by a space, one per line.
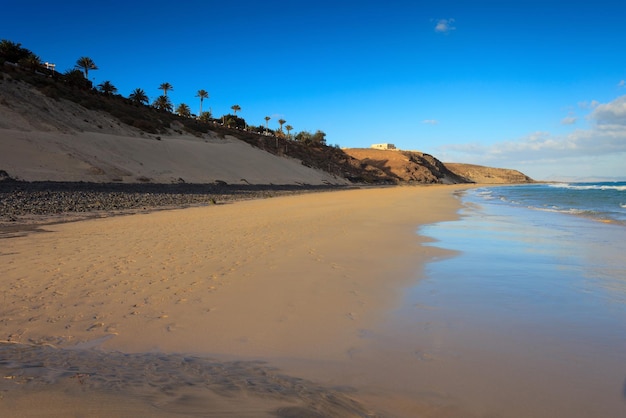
pixel 445 25
pixel 430 121
pixel 569 120
pixel 622 83
pixel 597 148
pixel 613 113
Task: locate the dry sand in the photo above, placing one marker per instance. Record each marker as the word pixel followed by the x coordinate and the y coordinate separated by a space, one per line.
pixel 290 280
pixel 102 157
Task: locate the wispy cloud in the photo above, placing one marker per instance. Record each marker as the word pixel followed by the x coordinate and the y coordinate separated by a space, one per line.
pixel 430 121
pixel 588 105
pixel 445 25
pixel 569 120
pixel 622 83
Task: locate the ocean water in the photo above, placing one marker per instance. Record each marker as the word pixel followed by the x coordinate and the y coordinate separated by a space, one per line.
pixel 527 317
pixel 603 201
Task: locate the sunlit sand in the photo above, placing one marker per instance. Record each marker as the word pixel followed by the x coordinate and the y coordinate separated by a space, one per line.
pixel 293 280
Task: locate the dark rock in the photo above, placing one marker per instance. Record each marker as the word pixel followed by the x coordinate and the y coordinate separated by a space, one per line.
pixel 19 199
pixel 4 176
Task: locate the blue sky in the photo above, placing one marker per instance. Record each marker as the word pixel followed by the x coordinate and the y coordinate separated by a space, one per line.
pixel 536 86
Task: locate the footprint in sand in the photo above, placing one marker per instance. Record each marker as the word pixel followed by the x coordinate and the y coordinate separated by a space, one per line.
pixel 16 336
pixel 95 326
pixel 424 355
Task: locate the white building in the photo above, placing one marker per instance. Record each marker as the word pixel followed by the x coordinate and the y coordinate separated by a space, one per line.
pixel 383 146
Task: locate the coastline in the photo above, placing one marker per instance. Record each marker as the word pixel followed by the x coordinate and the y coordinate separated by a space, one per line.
pixel 289 279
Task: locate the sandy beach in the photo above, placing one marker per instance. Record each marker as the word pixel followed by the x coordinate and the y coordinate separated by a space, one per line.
pixel 295 281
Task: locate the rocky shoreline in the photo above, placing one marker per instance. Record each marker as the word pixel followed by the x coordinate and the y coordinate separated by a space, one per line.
pixel 25 204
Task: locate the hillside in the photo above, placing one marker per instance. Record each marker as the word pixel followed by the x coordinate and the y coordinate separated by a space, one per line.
pixel 42 138
pixel 53 131
pixel 481 174
pixel 403 166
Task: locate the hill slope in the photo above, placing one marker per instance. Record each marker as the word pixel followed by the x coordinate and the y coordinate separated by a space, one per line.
pixel 403 166
pixel 481 174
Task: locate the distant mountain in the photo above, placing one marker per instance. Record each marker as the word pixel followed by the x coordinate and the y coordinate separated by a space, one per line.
pixel 595 179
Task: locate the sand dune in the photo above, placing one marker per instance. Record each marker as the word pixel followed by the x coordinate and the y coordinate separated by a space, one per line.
pixel 96 157
pixel 46 139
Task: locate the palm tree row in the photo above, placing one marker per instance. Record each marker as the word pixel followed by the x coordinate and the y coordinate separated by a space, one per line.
pixel 163 102
pixel 79 76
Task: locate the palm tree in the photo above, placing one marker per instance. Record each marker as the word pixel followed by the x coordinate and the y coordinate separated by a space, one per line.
pixel 31 61
pixel 139 96
pixel 288 128
pixel 183 110
pixel 166 87
pixel 267 119
pixel 163 103
pixel 236 108
pixel 76 78
pixel 73 76
pixel 86 64
pixel 107 88
pixel 202 94
pixel 12 52
pixel 205 117
pixel 281 122
pixel 230 121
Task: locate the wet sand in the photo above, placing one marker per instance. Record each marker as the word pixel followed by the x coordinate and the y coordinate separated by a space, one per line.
pixel 113 308
pixel 528 320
